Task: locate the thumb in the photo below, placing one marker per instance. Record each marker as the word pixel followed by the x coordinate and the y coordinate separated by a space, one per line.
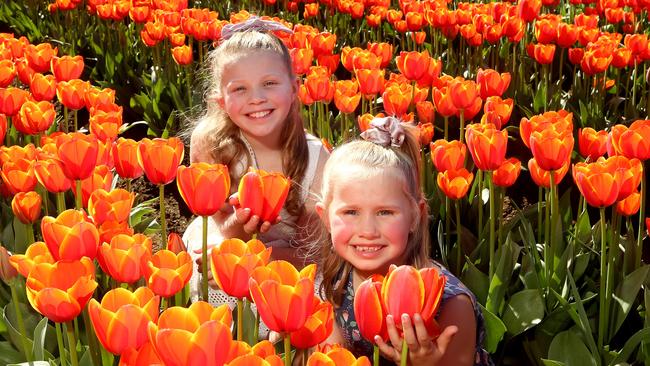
pixel 442 342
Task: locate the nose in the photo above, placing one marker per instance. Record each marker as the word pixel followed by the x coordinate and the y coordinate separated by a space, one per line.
pixel 258 96
pixel 368 227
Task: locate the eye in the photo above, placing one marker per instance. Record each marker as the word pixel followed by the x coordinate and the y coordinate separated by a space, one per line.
pixel 270 83
pixel 385 212
pixel 349 212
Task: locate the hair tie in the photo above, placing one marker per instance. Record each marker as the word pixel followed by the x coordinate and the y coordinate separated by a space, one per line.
pixel 254 23
pixel 386 131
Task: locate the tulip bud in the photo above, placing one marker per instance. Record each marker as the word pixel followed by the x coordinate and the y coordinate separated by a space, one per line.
pixel 175 243
pixel 7 271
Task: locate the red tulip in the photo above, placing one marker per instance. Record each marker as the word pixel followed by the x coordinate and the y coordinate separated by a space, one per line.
pixel 317 327
pixel 507 173
pixel 263 193
pixel 78 153
pixel 26 206
pixel 66 68
pixel 71 235
pixel 124 258
pixel 492 83
pixel 233 262
pixel 159 158
pixel 369 309
pixel 204 187
pixel 487 145
pixel 167 273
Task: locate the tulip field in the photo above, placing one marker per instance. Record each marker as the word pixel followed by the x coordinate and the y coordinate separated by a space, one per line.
pixel 534 125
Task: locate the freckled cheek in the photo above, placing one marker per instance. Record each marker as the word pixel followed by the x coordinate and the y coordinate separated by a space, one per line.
pixel 341 232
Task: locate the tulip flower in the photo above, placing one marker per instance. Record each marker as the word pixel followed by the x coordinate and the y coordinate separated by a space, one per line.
pixel 317 327
pixel 397 100
pixel 254 360
pixel 455 183
pixel 110 229
pixel 11 100
pixel 24 71
pixel 233 263
pixel 43 87
pixel 125 257
pixel 143 356
pixel 369 309
pixel 102 178
pixel 110 206
pixel 371 81
pixel 591 143
pixel 301 60
pixel 542 177
pixel 36 253
pixel 66 68
pixel 500 108
pixel 78 154
pixel 167 273
pixel 635 140
pixel 182 55
pixel 7 271
pixel 413 65
pixel 60 291
pixel 122 318
pixel 175 243
pixel 35 117
pixel 3 127
pixel 597 182
pixel 551 148
pixel 105 121
pixel 507 173
pixel 337 357
pixel 204 187
pixel 542 53
pixel 492 83
pixel 7 73
pixel 448 155
pixel 125 157
pixel 71 93
pixel 630 205
pixel 26 206
pixel 629 174
pixel 263 193
pixel 487 145
pixel 39 56
pixel 198 335
pixel 71 235
pixel 19 176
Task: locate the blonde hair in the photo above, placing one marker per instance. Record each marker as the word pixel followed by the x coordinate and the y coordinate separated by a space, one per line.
pixel 221 133
pixel 374 159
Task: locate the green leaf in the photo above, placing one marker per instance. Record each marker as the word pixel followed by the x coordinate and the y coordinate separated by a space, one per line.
pixel 568 347
pixel 524 310
pixel 507 259
pixel 552 363
pixel 540 98
pixel 9 354
pixel 38 349
pixel 20 232
pixel 584 233
pixel 477 281
pixel 32 320
pixel 33 363
pixel 631 344
pixel 624 297
pixel 494 328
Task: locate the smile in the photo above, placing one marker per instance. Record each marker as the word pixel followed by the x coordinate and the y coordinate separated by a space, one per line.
pixel 260 114
pixel 367 248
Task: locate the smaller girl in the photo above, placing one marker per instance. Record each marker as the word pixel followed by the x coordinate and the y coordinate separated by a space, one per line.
pixel 375 215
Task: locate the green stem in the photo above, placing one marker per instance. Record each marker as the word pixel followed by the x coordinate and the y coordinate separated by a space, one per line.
pixel 639 238
pixel 30 233
pixel 540 196
pixel 163 222
pixel 72 343
pixel 447 226
pixel 76 121
pixel 21 322
pixel 128 185
pixel 551 241
pixel 462 125
pixel 602 314
pixel 60 202
pixel 375 355
pixel 59 341
pixel 492 217
pixel 479 195
pixel 240 319
pixel 93 346
pixel 78 202
pixel 459 230
pixel 405 352
pixel 256 329
pixel 287 350
pixel 204 259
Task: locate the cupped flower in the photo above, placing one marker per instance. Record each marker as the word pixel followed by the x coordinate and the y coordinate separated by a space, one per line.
pixel 263 193
pixel 284 296
pixel 317 327
pixel 36 253
pixel 234 261
pixel 448 155
pixel 125 256
pixel 455 183
pixel 337 357
pixel 198 335
pixel 492 83
pixel 71 235
pixel 630 205
pixel 487 145
pixel 507 173
pixel 591 143
pixel 597 182
pixel 78 153
pixel 159 158
pixel 49 173
pixel 26 206
pixel 167 273
pixel 125 158
pixel 542 177
pixel 635 141
pixel 110 206
pixel 369 309
pixel 60 291
pixel 551 148
pixel 121 320
pixel 18 175
pixel 204 187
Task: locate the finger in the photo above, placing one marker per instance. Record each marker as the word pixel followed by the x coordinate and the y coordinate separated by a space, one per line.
pixel 251 226
pixel 442 342
pixel 409 334
pixel 242 215
pixel 213 284
pixel 266 226
pixel 200 250
pixel 234 199
pixel 393 333
pixel 421 331
pixel 386 350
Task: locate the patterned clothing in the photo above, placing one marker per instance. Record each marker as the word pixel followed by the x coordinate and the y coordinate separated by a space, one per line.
pixel 344 316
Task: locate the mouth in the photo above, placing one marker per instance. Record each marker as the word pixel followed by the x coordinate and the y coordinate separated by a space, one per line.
pixel 367 248
pixel 259 114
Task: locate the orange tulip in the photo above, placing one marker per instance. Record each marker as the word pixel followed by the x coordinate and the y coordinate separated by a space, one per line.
pixel 284 296
pixel 634 142
pixel 175 243
pixel 569 34
pixel 204 187
pixel 528 9
pixel 182 55
pixel 39 56
pixel 15 153
pixel 36 253
pixel 397 100
pixel 498 110
pixel 102 178
pixel 319 87
pixel 50 174
pixel 542 53
pixel 124 258
pixel 114 205
pixel 35 117
pixel 7 271
pixel 413 64
pixel 143 356
pixel 507 173
pixel 337 357
pixel 371 81
pixel 487 145
pixel 255 360
pixel 125 157
pixel 323 43
pixel 78 153
pixel 455 183
pixel 24 71
pixel 629 173
pixel 596 60
pixel 18 175
pixel 167 273
pixel 551 148
pixel 3 126
pixel 364 120
pixel 71 93
pixel 597 183
pixel 448 155
pixel 159 158
pixel 105 121
pixel 233 262
pixel 7 73
pixel 364 59
pixel 121 320
pixel 492 83
pixel 43 87
pixel 384 50
pixel 301 60
pixel 61 290
pixel 561 121
pixel 630 205
pixel 369 309
pixel 263 193
pixel 592 143
pixel 198 335
pixel 110 229
pixel 317 327
pixel 66 68
pixel 26 206
pixel 71 235
pixel 96 98
pixel 426 113
pixel 12 99
pixel 542 177
pixel 463 93
pixel 443 102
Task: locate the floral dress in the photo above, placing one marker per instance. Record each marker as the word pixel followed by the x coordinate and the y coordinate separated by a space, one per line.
pixel 344 316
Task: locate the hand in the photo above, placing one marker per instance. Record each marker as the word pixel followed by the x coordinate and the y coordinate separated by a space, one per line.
pixel 199 262
pixel 250 224
pixel 422 349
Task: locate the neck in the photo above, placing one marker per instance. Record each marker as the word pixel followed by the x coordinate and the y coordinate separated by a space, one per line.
pixel 267 144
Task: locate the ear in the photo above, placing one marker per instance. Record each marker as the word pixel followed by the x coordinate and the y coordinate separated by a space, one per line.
pixel 422 210
pixel 295 86
pixel 322 214
pixel 220 101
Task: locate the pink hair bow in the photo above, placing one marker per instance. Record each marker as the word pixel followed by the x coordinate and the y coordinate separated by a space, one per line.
pixel 254 23
pixel 386 131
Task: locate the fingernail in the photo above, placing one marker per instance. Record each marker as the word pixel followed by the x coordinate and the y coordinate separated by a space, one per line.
pixel 405 317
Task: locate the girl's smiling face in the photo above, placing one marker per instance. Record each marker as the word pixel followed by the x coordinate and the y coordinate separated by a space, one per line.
pixel 257 92
pixel 369 219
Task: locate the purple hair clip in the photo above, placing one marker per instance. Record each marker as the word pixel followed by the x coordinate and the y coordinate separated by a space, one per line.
pixel 386 131
pixel 254 23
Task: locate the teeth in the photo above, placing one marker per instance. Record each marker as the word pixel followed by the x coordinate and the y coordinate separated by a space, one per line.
pixel 368 249
pixel 259 114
